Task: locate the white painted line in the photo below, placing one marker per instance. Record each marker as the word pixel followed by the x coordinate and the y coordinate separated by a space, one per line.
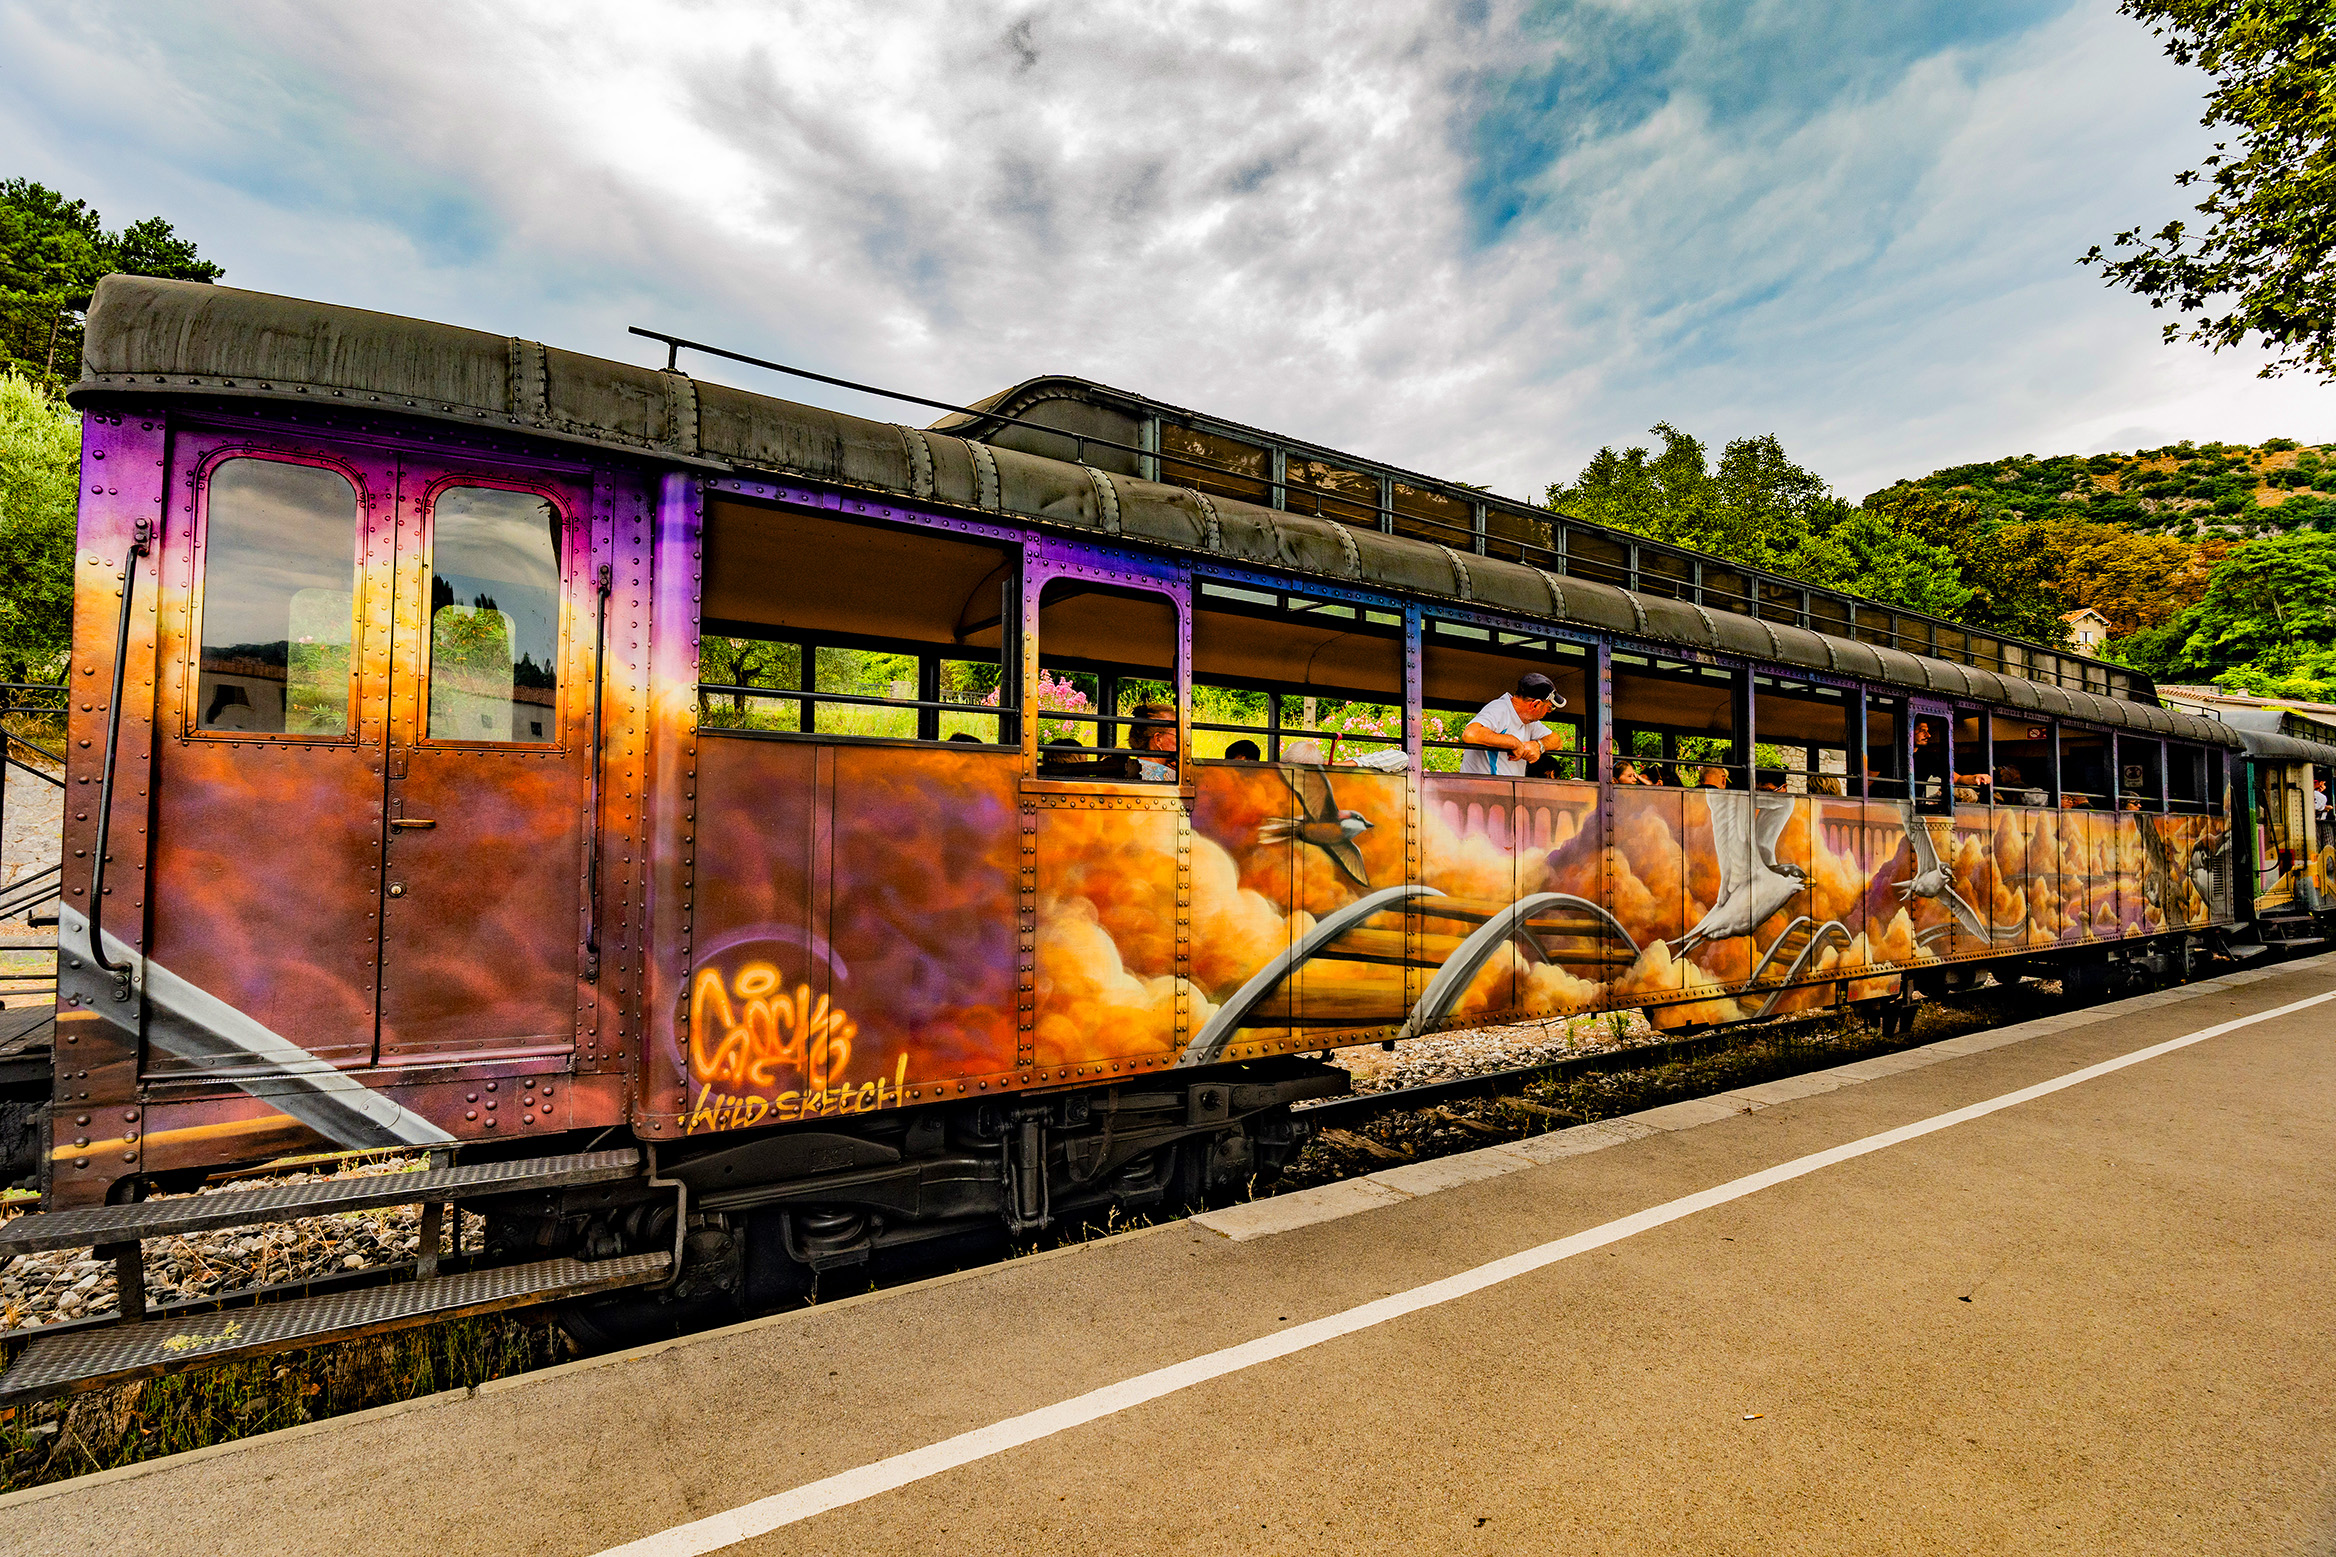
pixel 749 1520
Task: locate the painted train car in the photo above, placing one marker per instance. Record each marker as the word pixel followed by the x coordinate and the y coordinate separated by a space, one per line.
pixel 743 838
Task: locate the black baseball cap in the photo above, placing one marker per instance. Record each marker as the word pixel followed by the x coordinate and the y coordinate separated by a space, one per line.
pixel 1539 688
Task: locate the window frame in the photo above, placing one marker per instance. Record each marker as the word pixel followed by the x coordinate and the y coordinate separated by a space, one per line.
pixel 806 700
pixel 425 562
pixel 1046 561
pixel 198 595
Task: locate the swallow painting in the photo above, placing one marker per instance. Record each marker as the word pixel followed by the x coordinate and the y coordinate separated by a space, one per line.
pixel 1321 823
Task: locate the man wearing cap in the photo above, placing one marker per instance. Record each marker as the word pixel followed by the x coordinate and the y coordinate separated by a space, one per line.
pixel 1511 726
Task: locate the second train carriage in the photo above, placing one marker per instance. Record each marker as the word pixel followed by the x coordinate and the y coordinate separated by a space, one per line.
pixel 480 746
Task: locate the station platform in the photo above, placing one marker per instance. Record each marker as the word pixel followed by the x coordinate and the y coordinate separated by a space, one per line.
pixel 2063 1287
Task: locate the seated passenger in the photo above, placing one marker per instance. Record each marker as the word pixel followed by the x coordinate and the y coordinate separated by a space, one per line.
pixel 1506 735
pixel 1713 777
pixel 1827 784
pixel 1244 751
pixel 1632 773
pixel 2011 791
pixel 1056 758
pixel 1769 780
pixel 966 736
pixel 1154 744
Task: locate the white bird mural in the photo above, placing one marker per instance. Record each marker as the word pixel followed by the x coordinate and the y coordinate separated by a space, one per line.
pixel 1753 886
pixel 1934 880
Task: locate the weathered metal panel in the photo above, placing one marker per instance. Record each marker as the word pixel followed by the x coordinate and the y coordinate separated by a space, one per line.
pixel 123 487
pixel 483 866
pixel 663 1102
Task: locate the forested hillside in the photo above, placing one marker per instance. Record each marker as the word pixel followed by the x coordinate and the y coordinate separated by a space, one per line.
pixel 2210 562
pixel 2225 490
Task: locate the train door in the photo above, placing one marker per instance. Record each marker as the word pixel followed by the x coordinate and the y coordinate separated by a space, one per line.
pixel 267 805
pixel 489 763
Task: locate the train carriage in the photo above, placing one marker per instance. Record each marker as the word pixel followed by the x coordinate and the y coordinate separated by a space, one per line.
pixel 742 839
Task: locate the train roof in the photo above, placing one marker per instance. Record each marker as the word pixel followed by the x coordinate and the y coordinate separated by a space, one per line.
pixel 152 337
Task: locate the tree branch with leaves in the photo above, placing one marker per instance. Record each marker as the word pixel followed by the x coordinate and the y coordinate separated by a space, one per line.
pixel 2259 265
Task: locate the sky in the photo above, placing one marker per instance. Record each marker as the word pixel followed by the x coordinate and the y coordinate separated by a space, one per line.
pixel 1478 240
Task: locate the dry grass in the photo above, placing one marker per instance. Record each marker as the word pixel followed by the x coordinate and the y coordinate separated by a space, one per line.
pixel 52 1440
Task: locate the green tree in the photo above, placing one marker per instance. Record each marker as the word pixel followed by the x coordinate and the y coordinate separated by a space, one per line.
pixel 2270 604
pixel 1865 554
pixel 2312 678
pixel 40 457
pixel 2261 265
pixel 53 251
pixel 1755 509
pixel 2011 570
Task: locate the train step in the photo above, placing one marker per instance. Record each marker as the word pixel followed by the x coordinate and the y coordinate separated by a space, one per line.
pixel 96 1226
pixel 120 1353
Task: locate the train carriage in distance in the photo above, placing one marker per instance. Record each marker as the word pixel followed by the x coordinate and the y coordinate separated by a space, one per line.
pixel 739 839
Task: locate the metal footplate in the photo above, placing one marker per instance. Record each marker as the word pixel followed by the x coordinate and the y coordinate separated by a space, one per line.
pixel 101 1225
pixel 116 1354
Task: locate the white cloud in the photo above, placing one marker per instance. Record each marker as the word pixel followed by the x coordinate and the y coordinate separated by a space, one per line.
pixel 1278 213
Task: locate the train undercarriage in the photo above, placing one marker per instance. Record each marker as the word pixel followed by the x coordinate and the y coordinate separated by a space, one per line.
pixel 760 1223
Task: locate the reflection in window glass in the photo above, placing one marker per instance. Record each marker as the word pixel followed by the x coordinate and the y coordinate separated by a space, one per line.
pixel 279 599
pixel 494 617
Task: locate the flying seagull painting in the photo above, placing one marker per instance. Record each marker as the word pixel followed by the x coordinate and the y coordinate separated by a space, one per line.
pixel 1753 886
pixel 1936 881
pixel 1321 823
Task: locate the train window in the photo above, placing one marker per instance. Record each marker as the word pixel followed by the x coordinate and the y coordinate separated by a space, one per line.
pixel 1780 603
pixel 494 616
pixel 1724 590
pixel 1280 676
pixel 1934 763
pixel 2084 770
pixel 2217 775
pixel 1666 574
pixel 1431 516
pixel 819 627
pixel 1519 537
pixel 1348 496
pixel 1464 666
pixel 2023 761
pixel 1107 683
pixel 279 599
pixel 1974 765
pixel 1829 614
pixel 1801 737
pixel 2185 777
pixel 1885 746
pixel 1225 466
pixel 1592 554
pixel 1686 713
pixel 2141 780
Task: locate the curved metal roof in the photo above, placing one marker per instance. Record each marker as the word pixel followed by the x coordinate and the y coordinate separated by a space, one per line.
pixel 151 337
pixel 2271 746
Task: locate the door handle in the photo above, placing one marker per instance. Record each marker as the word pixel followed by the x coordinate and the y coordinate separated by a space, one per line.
pixel 413 821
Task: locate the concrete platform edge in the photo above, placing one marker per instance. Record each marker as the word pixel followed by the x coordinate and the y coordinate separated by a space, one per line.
pixel 1257 1219
pixel 1310 1207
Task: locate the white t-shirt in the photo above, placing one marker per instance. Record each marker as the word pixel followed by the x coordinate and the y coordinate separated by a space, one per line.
pixel 1501 715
